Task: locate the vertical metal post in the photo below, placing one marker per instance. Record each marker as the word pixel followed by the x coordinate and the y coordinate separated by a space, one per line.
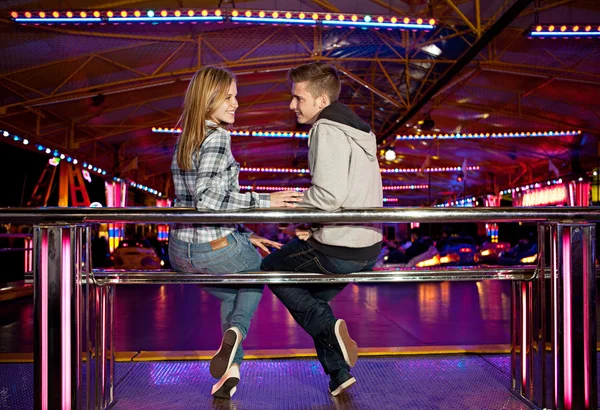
pixel 58 316
pixel 563 373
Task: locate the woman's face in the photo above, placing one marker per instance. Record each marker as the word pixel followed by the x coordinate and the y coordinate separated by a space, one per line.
pixel 225 114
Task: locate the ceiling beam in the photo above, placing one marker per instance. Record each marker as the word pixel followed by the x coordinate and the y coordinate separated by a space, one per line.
pixel 496 28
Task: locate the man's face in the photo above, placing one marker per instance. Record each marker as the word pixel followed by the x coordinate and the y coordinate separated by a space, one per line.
pixel 306 107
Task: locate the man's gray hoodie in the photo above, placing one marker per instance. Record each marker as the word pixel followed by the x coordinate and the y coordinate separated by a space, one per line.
pixel 345 174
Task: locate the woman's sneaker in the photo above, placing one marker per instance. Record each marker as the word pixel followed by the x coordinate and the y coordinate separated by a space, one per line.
pixel 226 387
pixel 222 360
pixel 341 382
pixel 348 346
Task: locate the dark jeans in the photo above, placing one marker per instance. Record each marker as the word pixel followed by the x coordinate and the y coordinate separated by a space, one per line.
pixel 308 304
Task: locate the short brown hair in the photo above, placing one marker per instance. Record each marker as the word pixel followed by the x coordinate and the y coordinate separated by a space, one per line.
pixel 321 77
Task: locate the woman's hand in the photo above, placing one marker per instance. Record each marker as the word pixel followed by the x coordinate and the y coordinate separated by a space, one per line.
pixel 285 199
pixel 261 243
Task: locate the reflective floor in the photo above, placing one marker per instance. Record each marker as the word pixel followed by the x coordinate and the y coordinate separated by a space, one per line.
pixel 407 382
pixel 388 316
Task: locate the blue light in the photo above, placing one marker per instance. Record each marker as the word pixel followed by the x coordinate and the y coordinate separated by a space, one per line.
pixel 40 148
pixel 272 20
pixel 69 159
pixel 16 138
pixel 384 25
pixel 563 34
pixel 159 19
pixel 58 20
pixel 56 153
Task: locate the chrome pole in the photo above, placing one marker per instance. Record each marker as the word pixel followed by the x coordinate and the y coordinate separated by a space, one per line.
pixel 57 316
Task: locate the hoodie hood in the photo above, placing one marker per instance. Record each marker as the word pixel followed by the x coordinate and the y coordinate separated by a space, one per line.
pixel 352 125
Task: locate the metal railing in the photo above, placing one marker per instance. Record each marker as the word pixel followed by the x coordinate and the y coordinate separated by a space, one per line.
pixel 562 377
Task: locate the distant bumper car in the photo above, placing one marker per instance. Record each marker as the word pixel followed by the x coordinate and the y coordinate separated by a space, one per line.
pixel 490 252
pixel 459 250
pixel 522 254
pixel 136 255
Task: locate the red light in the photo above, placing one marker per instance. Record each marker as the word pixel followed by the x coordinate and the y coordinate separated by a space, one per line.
pixel 465 250
pixel 137 13
pixel 588 28
pixel 42 14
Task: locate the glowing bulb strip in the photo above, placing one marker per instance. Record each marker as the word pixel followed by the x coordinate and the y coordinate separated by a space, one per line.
pixel 269 134
pixel 383 170
pixel 490 135
pixel 463 202
pixel 233 15
pixel 56 154
pixel 536 185
pixel 561 30
pixel 300 189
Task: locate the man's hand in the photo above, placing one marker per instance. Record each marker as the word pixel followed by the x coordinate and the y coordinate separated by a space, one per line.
pixel 303 234
pixel 285 199
pixel 261 243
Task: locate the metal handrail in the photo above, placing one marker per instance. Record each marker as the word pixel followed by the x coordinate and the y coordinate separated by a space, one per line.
pixel 380 215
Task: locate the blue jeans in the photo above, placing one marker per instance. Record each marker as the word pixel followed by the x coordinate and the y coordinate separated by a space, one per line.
pixel 309 304
pixel 238 304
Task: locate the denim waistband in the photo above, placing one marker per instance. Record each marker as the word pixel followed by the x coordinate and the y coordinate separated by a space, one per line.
pixel 199 247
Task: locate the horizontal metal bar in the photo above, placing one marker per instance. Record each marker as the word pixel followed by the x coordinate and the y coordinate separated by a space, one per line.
pixel 191 215
pixel 162 277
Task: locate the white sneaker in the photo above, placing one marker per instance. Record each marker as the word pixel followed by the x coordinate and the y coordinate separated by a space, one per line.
pixel 222 360
pixel 226 387
pixel 347 345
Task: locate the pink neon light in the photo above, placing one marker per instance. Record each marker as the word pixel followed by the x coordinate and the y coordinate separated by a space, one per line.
pixel 524 337
pixel 555 320
pixel 44 335
pixel 65 319
pixel 568 333
pixel 103 332
pixel 586 330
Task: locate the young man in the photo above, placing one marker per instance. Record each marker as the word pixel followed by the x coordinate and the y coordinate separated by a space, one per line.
pixel 345 174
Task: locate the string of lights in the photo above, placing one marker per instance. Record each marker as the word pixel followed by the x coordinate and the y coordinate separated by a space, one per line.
pixel 383 170
pixel 561 30
pixel 300 189
pixel 235 16
pixel 489 135
pixel 57 156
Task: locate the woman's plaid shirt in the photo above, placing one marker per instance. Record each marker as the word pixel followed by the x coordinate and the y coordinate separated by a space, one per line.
pixel 212 185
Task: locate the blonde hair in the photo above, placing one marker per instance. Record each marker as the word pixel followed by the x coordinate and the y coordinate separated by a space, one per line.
pixel 207 90
pixel 321 77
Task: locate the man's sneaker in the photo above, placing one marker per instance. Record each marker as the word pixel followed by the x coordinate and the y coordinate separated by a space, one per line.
pixel 347 345
pixel 340 383
pixel 226 387
pixel 222 360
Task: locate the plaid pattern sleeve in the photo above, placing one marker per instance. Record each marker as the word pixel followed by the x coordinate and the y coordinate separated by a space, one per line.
pixel 211 185
pixel 216 186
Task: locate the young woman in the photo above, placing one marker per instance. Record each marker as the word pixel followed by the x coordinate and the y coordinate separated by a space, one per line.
pixel 205 176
